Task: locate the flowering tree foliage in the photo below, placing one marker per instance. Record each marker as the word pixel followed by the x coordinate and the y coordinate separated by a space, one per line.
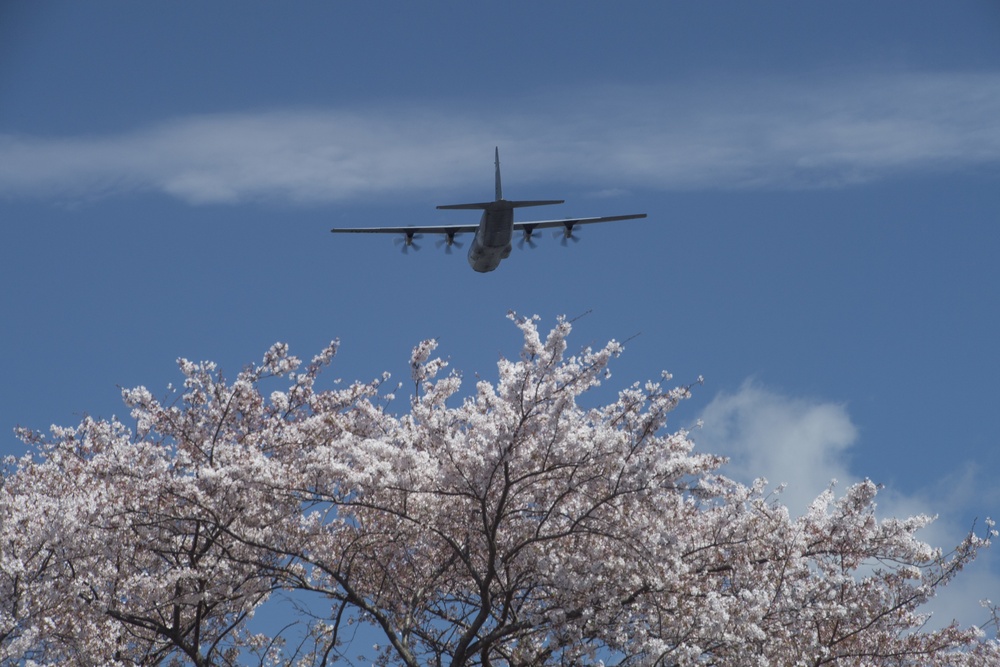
pixel 512 526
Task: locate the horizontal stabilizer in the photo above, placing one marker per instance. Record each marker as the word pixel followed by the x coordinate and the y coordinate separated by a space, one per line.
pixel 501 204
pixel 456 207
pixel 536 202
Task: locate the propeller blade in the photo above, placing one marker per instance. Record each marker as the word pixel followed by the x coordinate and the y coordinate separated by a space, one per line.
pixel 527 237
pixel 448 241
pixel 407 241
pixel 567 234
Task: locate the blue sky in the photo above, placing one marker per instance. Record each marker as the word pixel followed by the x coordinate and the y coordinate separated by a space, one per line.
pixel 822 182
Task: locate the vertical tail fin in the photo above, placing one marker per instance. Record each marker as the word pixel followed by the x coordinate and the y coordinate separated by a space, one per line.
pixel 500 203
pixel 499 189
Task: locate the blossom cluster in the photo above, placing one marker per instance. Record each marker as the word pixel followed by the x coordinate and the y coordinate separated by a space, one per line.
pixel 509 526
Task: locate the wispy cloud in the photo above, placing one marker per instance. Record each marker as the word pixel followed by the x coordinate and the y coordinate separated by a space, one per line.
pixel 805 444
pixel 722 135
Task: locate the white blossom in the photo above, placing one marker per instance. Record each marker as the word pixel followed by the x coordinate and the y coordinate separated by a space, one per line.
pixel 506 526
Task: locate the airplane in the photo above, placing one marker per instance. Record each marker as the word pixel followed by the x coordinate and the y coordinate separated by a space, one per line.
pixel 493 234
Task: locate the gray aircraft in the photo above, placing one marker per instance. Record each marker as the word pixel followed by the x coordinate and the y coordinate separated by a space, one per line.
pixel 493 234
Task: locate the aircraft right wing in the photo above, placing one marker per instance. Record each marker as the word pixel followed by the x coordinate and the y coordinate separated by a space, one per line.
pixel 572 222
pixel 529 226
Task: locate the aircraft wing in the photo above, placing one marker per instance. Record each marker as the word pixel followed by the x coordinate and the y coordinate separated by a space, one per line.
pixel 570 223
pixel 469 229
pixel 449 230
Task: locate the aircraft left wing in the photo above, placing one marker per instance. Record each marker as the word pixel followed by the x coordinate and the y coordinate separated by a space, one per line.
pixel 409 233
pixel 450 230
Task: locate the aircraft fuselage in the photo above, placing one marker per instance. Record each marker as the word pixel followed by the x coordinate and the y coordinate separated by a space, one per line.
pixel 492 242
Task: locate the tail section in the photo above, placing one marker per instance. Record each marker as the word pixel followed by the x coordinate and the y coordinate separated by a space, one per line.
pixel 500 202
pixel 499 188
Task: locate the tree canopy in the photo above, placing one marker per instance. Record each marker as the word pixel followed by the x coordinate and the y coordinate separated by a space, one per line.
pixel 506 525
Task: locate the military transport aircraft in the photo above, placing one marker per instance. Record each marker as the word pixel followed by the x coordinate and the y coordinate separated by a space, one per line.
pixel 493 234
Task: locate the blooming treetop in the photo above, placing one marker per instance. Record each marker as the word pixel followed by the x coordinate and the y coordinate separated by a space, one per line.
pixel 506 526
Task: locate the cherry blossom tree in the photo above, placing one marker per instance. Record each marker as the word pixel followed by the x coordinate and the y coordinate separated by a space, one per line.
pixel 511 525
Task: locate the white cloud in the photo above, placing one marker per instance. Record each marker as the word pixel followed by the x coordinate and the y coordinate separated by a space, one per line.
pixel 799 443
pixel 298 156
pixel 806 443
pixel 721 135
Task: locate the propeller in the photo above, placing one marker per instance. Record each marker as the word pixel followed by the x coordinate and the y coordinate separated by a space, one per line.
pixel 567 233
pixel 448 241
pixel 407 241
pixel 527 238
